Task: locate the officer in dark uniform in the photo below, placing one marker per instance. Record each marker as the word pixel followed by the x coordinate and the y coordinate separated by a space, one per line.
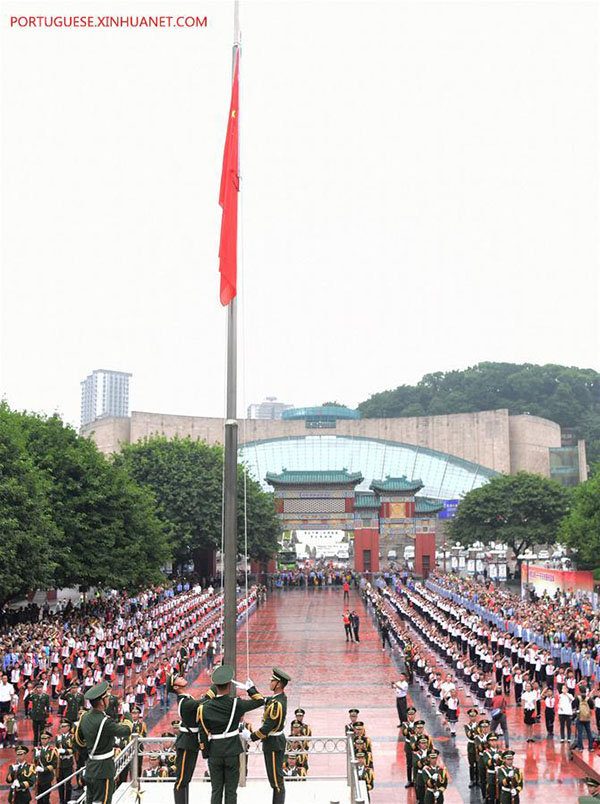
pixel 46 762
pixel 186 742
pixel 510 779
pixel 292 770
pixel 349 728
pixel 436 779
pixel 408 731
pixel 39 712
pixel 219 735
pixel 420 752
pixel 66 762
pixel 364 773
pixel 21 778
pixel 306 729
pixel 493 760
pixel 271 732
pixel 96 733
pixel 471 733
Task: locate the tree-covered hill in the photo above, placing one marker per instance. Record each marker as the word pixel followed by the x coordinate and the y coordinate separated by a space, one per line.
pixel 567 395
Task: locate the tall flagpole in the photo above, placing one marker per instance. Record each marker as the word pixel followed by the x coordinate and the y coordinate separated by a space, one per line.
pixel 231 450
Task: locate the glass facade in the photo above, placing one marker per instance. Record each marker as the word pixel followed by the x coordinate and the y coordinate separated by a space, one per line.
pixel 444 476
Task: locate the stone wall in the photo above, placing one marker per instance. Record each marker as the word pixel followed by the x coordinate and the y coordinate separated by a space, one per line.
pixel 530 439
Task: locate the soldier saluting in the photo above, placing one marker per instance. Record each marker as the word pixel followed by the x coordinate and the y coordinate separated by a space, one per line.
pixel 39 712
pixel 96 732
pixel 272 733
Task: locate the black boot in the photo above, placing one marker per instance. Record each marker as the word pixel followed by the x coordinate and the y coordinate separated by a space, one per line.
pixel 180 796
pixel 279 796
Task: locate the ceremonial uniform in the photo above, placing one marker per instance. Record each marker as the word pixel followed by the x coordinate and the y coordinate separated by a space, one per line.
pixel 293 770
pixel 96 732
pixel 305 729
pixel 510 781
pixel 419 762
pixel 46 765
pixel 408 732
pixel 436 780
pixel 349 727
pixel 271 733
pixel 493 760
pixel 186 743
pixel 21 778
pixel 75 701
pixel 66 764
pixel 471 734
pixel 39 713
pixel 219 735
pixel 365 774
pixel 480 747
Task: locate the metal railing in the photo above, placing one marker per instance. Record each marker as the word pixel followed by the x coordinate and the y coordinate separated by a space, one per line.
pixel 318 751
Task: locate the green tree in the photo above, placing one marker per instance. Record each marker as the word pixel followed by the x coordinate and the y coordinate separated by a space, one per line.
pixel 517 510
pixel 580 530
pixel 567 395
pixel 26 526
pixel 186 476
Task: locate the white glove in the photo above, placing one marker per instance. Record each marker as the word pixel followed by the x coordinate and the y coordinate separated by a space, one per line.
pixel 39 769
pixel 239 685
pixel 245 733
pixel 249 683
pixel 16 784
pixel 61 750
pixel 513 793
pixel 436 794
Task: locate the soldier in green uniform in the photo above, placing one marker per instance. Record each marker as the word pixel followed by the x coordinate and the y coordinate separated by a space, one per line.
pixel 365 774
pixel 46 765
pixel 219 735
pixel 408 661
pixel 66 762
pixel 493 760
pixel 436 779
pixel 593 796
pixel 112 707
pixel 271 733
pixel 349 728
pixel 510 779
pixel 186 742
pixel 305 728
pixel 483 730
pixel 138 726
pixel 292 770
pixel 20 777
pixel 408 730
pixel 471 733
pixel 420 752
pixel 39 712
pixel 360 747
pixel 96 733
pixel 75 701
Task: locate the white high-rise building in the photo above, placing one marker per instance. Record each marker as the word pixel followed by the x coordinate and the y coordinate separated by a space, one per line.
pixel 104 393
pixel 269 409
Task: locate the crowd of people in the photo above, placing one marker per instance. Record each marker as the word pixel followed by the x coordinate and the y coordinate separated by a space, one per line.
pixel 51 661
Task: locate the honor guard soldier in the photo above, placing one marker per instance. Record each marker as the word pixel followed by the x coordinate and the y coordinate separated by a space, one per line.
pixel 66 761
pixel 39 712
pixel 295 743
pixel 292 770
pixel 349 728
pixel 156 770
pixel 359 731
pixel 20 777
pixel 46 765
pixel 408 661
pixel 408 730
pixel 186 743
pixel 493 760
pixel 219 735
pixel 299 715
pixel 365 774
pixel 471 733
pixel 112 707
pixel 361 746
pixel 96 732
pixel 483 730
pixel 138 727
pixel 420 752
pixel 436 779
pixel 510 779
pixel 271 733
pixel 75 701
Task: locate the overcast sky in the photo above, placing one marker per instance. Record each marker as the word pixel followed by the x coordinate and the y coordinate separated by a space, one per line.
pixel 420 193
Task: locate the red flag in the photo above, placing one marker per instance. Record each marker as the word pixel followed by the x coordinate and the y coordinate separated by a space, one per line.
pixel 228 197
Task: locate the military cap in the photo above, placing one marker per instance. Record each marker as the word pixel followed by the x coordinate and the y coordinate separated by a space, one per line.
pixel 508 754
pixel 98 691
pixel 299 712
pixel 474 712
pixel 46 734
pixel 353 711
pixel 135 710
pixel 171 678
pixel 360 724
pixel 222 675
pixel 176 723
pixel 423 738
pixel 491 737
pixel 280 675
pixel 65 723
pixel 591 782
pixel 484 722
pixel 411 710
pixel 360 754
pixel 433 754
pixel 292 756
pixel 21 749
pixel 296 723
pixel 419 722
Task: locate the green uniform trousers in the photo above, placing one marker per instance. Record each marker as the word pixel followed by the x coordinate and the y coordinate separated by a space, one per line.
pixel 224 776
pixel 274 767
pixel 99 791
pixel 185 764
pixel 429 798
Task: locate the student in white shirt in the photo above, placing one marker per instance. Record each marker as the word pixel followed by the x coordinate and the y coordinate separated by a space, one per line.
pixel 565 714
pixel 528 700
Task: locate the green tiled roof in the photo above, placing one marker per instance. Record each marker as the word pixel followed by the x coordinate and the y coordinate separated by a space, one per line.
pixel 314 478
pixel 425 505
pixel 363 500
pixel 396 484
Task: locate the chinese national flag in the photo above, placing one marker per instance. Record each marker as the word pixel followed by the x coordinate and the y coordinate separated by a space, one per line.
pixel 228 197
